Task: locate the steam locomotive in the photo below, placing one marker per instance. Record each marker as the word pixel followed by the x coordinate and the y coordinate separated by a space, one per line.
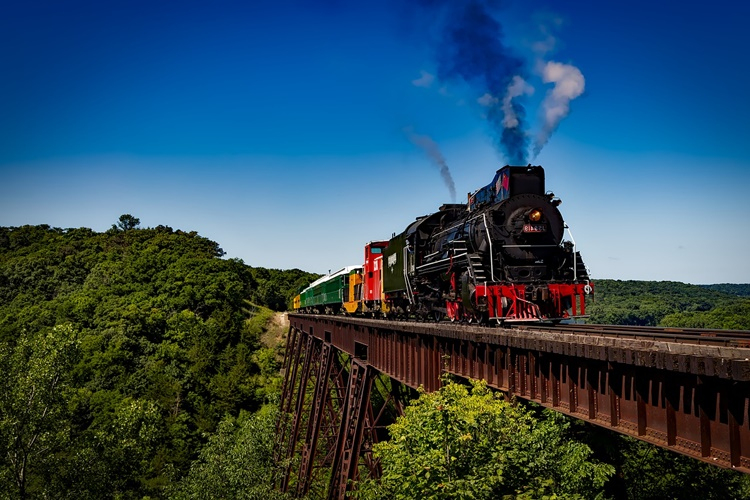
pixel 500 257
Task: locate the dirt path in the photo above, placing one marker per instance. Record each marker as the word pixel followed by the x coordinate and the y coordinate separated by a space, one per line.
pixel 281 319
pixel 277 329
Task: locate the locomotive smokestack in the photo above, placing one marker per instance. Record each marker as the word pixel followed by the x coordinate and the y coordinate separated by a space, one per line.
pixel 432 150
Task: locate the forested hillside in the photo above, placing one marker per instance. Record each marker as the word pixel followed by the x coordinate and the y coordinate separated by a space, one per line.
pixel 741 290
pixel 134 367
pixel 669 303
pixel 276 288
pixel 121 352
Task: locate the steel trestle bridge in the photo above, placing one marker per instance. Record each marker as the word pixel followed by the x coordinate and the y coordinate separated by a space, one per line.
pixel 684 390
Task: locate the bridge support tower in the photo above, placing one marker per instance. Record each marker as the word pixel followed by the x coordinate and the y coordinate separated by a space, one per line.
pixel 334 407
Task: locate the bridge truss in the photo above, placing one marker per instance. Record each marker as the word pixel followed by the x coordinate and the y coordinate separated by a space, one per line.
pixel 690 398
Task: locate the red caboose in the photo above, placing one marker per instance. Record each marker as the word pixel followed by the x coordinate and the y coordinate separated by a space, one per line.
pixel 372 285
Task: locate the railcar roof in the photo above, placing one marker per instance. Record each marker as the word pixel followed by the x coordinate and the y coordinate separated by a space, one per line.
pixel 323 279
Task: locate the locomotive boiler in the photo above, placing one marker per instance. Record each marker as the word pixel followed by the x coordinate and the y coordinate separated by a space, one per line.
pixel 502 256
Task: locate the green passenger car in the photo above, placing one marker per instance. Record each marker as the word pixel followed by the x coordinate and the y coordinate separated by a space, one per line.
pixel 328 292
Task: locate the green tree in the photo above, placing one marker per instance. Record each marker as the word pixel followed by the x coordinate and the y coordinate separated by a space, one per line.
pixel 34 423
pixel 126 222
pixel 237 462
pixel 652 473
pixel 457 443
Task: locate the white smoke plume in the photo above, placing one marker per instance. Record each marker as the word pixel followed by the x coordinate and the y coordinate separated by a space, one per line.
pixel 432 150
pixel 517 87
pixel 569 84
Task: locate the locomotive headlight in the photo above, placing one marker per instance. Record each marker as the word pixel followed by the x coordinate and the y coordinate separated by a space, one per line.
pixel 535 215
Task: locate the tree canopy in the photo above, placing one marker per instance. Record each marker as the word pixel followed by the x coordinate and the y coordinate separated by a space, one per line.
pixel 237 462
pixel 126 222
pixel 472 443
pixel 134 367
pixel 668 303
pixel 142 341
pixel 277 288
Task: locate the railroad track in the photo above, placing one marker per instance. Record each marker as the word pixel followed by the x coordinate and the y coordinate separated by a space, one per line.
pixel 734 338
pixel 715 337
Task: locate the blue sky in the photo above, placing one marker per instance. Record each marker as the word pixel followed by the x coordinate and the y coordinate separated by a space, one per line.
pixel 277 129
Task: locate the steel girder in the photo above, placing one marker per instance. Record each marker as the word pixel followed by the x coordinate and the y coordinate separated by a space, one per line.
pixel 693 399
pixel 328 393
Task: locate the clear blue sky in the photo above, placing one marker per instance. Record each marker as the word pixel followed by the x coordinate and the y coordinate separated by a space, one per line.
pixel 277 128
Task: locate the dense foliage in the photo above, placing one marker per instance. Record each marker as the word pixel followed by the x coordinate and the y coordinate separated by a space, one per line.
pixel 121 351
pixel 277 288
pixel 652 473
pixel 135 366
pixel 456 443
pixel 741 289
pixel 647 472
pixel 237 462
pixel 668 303
pixel 468 443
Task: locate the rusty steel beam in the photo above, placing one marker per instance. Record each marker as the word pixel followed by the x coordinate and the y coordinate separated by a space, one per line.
pixel 689 398
pixel 291 361
pixel 349 442
pixel 291 446
pixel 315 421
pixel 327 393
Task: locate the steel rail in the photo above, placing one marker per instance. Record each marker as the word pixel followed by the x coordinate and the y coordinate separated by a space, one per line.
pixel 700 336
pixel 705 336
